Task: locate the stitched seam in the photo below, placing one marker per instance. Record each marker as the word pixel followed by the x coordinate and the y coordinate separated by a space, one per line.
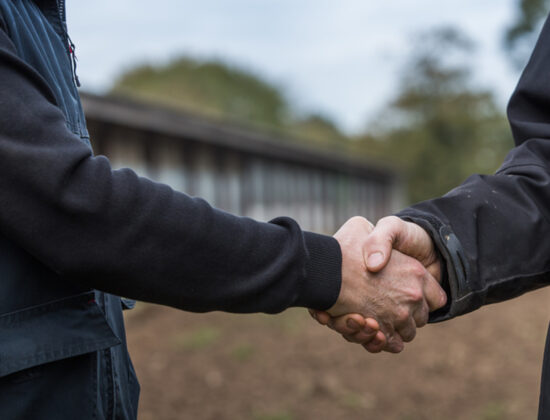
pixel 66 352
pixel 95 407
pixel 500 282
pixel 520 165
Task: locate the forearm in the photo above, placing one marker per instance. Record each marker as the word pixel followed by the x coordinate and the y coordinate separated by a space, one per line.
pixel 492 231
pixel 123 234
pixel 501 222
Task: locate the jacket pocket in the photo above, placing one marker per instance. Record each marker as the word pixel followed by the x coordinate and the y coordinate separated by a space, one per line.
pixel 53 331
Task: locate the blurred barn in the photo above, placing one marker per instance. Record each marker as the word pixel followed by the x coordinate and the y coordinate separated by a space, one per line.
pixel 239 169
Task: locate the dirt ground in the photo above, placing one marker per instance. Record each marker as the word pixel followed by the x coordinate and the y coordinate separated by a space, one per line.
pixel 482 366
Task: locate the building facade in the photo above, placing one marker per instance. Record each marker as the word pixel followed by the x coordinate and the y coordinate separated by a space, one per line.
pixel 240 170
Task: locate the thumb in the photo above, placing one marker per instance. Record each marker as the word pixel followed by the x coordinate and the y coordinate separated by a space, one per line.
pixel 381 241
pixel 378 249
pixel 393 233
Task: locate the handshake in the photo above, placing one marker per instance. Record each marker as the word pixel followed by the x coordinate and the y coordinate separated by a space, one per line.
pixel 391 278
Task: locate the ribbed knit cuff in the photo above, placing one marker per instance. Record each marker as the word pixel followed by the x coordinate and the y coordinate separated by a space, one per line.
pixel 323 279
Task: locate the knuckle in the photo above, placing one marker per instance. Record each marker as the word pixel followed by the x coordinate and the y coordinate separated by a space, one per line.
pixel 425 316
pixel 408 335
pixel 389 221
pixel 360 223
pixel 417 269
pixel 422 320
pixel 357 220
pixel 372 347
pixel 394 346
pixel 416 294
pixel 407 338
pixel 402 315
pixel 361 337
pixel 394 224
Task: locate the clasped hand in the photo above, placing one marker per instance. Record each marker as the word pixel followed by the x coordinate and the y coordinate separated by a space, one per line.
pixel 390 283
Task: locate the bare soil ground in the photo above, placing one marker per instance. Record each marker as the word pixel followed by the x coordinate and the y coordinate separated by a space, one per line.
pixel 482 366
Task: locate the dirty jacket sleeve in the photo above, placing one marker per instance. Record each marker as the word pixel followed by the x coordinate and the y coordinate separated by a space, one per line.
pixel 493 232
pixel 114 231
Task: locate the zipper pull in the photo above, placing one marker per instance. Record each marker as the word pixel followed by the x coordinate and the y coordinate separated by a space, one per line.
pixel 72 49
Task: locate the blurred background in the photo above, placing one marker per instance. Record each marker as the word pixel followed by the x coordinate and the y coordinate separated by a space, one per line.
pixel 320 110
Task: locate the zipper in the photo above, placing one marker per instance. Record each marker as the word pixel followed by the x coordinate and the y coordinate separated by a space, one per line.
pixel 70 45
pixel 72 53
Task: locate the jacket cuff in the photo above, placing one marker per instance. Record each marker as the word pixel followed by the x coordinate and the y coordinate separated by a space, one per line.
pixel 455 268
pixel 321 285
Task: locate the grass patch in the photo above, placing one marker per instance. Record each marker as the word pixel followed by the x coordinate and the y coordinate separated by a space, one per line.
pixel 352 400
pixel 243 352
pixel 198 339
pixel 291 322
pixel 494 411
pixel 281 415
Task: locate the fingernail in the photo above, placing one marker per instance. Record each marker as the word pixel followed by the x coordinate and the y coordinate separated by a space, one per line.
pixel 375 259
pixel 351 323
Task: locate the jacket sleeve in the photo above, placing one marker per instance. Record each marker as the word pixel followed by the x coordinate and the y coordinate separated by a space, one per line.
pixel 114 231
pixel 493 232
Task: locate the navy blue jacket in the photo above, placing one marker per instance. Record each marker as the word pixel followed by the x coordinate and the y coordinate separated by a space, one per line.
pixel 494 231
pixel 71 226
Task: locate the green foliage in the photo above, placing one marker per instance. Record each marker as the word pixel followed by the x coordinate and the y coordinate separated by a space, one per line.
pixel 198 339
pixel 217 90
pixel 440 129
pixel 319 128
pixel 210 88
pixel 280 415
pixel 520 36
pixel 494 411
pixel 243 352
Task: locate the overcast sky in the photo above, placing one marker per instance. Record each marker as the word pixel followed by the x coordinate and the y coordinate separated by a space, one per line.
pixel 341 58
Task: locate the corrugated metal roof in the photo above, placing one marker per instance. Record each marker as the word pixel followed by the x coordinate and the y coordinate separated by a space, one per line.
pixel 178 124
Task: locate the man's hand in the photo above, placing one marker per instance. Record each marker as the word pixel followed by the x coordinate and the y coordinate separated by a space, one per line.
pixel 399 297
pixel 408 238
pixel 354 328
pixel 390 233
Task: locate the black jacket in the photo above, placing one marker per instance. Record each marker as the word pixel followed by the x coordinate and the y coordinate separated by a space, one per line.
pixel 494 231
pixel 70 227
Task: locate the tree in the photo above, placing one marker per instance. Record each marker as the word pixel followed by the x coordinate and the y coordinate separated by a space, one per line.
pixel 439 128
pixel 319 128
pixel 519 38
pixel 210 88
pixel 217 90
